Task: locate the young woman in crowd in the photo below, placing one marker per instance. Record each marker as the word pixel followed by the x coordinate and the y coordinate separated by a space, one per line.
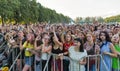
pixel 28 46
pixel 46 50
pixel 115 60
pixel 77 54
pixel 107 51
pixel 66 45
pixel 21 37
pixel 92 49
pixel 57 48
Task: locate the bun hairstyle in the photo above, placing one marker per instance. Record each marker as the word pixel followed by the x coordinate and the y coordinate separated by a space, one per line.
pixel 81 46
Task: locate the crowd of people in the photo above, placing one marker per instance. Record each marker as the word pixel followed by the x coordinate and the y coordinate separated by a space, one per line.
pixel 37 42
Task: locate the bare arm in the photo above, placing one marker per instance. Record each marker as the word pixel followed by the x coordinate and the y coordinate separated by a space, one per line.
pixel 21 46
pixel 57 41
pixel 46 50
pixel 114 53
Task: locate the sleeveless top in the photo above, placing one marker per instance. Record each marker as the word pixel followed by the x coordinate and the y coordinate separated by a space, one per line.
pixel 57 51
pixel 116 61
pixel 44 56
pixel 90 51
pixel 105 62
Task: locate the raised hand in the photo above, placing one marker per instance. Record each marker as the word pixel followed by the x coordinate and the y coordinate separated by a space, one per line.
pixel 38 38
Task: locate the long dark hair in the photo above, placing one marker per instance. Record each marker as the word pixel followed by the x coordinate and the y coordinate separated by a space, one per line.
pixel 107 37
pixel 51 38
pixel 81 49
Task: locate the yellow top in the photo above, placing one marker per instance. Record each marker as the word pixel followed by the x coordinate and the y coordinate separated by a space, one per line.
pixel 5 69
pixel 28 45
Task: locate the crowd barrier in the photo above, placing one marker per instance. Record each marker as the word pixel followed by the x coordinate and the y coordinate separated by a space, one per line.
pixel 37 65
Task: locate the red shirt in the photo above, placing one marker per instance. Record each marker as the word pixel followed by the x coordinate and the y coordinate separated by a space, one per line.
pixel 67 46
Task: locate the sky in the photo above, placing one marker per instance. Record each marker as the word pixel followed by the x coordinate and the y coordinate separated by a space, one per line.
pixel 83 8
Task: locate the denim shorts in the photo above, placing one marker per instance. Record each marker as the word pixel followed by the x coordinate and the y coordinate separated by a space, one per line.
pixel 29 60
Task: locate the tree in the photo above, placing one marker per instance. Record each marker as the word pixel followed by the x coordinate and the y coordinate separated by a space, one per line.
pixel 79 20
pixel 100 19
pixel 6 10
pixel 28 11
pixel 87 20
pixel 112 19
pixel 34 14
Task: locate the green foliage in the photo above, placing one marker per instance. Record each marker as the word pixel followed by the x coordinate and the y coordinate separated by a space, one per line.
pixel 28 11
pixel 112 19
pixel 89 20
pixel 6 10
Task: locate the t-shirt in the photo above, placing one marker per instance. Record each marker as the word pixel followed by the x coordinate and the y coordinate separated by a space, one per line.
pixel 28 45
pixel 116 61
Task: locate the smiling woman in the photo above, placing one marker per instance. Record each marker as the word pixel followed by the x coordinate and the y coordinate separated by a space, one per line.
pixel 115 61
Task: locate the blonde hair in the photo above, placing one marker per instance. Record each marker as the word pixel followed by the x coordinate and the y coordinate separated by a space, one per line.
pixel 116 35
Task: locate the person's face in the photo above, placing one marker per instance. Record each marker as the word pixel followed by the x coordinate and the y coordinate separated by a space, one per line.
pixel 40 29
pixel 116 30
pixel 20 34
pixel 46 38
pixel 29 37
pixel 102 36
pixel 68 37
pixel 69 32
pixel 97 34
pixel 89 37
pixel 110 34
pixel 115 39
pixel 76 43
pixel 81 36
pixel 60 29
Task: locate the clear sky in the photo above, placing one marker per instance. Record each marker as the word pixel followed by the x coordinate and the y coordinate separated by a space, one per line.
pixel 83 8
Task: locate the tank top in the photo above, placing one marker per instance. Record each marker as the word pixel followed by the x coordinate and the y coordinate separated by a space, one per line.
pixel 44 56
pixel 57 51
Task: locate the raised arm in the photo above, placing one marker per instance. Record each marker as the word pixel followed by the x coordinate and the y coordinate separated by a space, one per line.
pixel 35 43
pixel 56 39
pixel 21 38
